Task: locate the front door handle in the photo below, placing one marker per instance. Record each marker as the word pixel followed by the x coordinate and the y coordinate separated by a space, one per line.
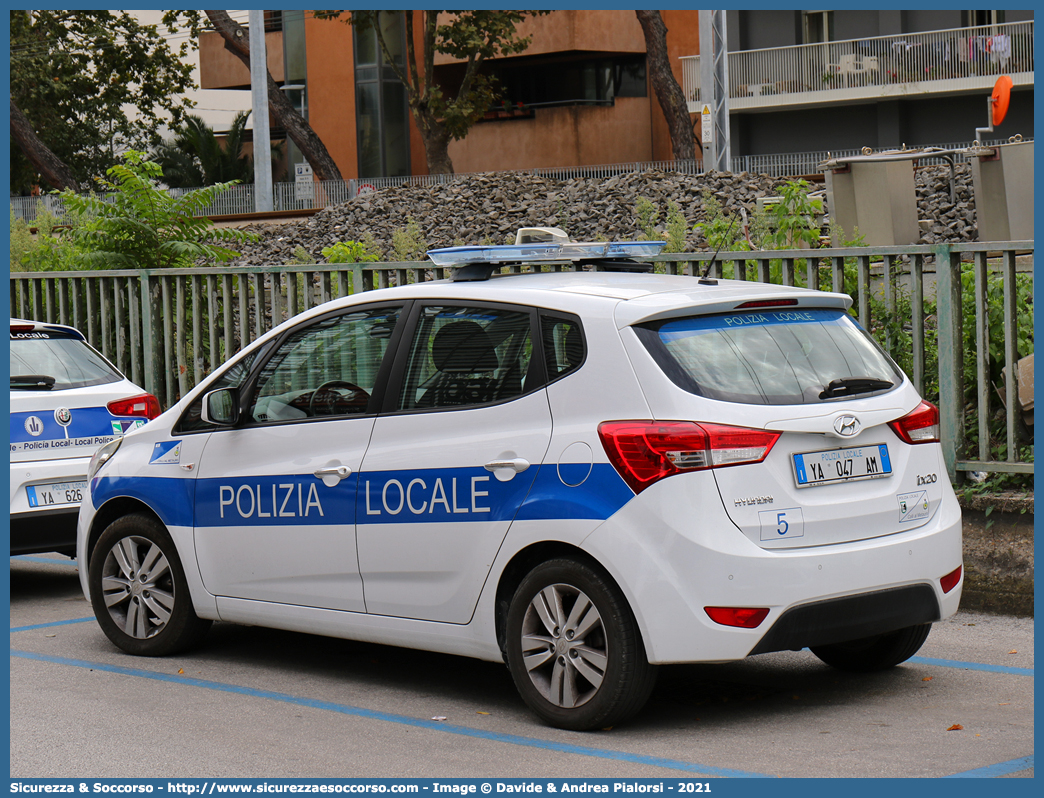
pixel 504 470
pixel 332 474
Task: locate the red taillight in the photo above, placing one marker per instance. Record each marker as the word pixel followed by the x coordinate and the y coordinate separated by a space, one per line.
pixel 145 405
pixel 743 617
pixel 949 582
pixel 921 425
pixel 644 452
pixel 767 303
pixel 22 328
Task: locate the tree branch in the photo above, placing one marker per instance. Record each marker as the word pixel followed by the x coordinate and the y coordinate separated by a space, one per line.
pixel 297 128
pixel 49 165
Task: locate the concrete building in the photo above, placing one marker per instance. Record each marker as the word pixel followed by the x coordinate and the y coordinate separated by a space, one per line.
pixel 803 81
pixel 799 82
pixel 579 95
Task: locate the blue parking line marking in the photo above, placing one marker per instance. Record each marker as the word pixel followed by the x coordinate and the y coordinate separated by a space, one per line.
pixel 971 666
pixel 52 623
pixel 993 771
pixel 464 731
pixel 45 560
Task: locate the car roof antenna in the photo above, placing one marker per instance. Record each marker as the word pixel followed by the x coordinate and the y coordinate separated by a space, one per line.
pixel 710 263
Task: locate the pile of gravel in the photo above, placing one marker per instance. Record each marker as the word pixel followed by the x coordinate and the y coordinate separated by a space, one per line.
pixel 491 207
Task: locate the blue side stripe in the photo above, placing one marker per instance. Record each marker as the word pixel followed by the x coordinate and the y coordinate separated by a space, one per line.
pixel 598 497
pixel 86 422
pixel 377 497
pixel 170 497
pixel 463 731
pixel 439 494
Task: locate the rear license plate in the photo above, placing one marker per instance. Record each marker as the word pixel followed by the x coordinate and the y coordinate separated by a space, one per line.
pixel 841 465
pixel 56 494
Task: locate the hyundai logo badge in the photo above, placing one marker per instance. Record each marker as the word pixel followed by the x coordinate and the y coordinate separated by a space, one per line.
pixel 846 426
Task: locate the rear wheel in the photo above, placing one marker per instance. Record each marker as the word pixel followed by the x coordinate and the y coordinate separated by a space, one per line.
pixel 875 653
pixel 574 649
pixel 138 589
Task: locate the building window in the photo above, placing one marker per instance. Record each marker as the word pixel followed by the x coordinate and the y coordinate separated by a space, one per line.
pixel 977 19
pixel 381 109
pixel 818 26
pixel 596 81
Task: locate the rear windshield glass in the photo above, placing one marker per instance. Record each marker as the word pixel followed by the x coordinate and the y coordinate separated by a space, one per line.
pixel 59 356
pixel 776 357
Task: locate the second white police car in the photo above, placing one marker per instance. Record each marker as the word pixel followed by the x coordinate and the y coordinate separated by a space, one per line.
pixel 583 474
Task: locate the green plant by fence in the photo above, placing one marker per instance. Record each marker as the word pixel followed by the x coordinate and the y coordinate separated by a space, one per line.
pixel 168 328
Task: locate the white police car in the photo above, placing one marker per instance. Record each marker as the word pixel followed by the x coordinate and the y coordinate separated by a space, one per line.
pixel 66 401
pixel 584 475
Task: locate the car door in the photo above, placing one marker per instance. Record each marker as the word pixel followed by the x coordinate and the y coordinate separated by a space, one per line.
pixel 275 496
pixel 449 466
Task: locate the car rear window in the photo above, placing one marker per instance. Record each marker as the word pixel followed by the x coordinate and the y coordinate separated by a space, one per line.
pixel 771 357
pixel 61 356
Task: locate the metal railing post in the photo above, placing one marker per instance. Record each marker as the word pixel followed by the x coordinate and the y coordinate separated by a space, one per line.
pixel 148 291
pixel 951 356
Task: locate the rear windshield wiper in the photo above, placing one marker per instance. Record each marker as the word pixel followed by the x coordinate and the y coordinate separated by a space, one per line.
pixel 32 382
pixel 850 386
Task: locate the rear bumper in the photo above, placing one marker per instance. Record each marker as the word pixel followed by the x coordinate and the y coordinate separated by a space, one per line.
pixel 839 620
pixel 673 553
pixel 44 530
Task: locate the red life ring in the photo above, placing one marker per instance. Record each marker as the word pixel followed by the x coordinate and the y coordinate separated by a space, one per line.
pixel 1001 98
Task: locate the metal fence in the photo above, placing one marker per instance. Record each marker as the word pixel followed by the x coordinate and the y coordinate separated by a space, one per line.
pixel 323 194
pixel 168 328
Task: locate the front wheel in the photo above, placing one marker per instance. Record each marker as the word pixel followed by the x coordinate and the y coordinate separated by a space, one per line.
pixel 574 649
pixel 138 589
pixel 876 653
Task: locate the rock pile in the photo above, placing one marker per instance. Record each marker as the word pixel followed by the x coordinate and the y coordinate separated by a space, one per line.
pixel 491 207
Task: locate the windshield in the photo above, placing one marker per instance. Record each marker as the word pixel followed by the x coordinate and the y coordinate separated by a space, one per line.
pixel 50 354
pixel 771 357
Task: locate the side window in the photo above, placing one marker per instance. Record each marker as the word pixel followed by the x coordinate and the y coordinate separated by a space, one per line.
pixel 234 377
pixel 327 369
pixel 563 344
pixel 467 356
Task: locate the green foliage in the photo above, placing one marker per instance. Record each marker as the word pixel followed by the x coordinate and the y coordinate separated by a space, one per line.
pixel 720 232
pixel 647 213
pixel 301 257
pixel 364 251
pixel 45 251
pixel 408 242
pixel 92 83
pixel 195 157
pixel 795 218
pixel 676 227
pixel 143 226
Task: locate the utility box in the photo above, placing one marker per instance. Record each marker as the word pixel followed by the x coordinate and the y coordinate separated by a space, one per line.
pixel 1003 183
pixel 878 197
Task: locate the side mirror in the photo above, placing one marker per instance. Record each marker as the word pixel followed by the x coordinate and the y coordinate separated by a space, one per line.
pixel 221 407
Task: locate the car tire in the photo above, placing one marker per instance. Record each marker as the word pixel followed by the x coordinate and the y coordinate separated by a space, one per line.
pixel 574 648
pixel 876 653
pixel 138 589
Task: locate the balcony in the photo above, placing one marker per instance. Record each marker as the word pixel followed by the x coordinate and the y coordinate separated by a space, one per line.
pixel 938 62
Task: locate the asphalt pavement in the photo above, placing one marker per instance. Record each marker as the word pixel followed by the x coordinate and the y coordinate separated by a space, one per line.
pixel 254 703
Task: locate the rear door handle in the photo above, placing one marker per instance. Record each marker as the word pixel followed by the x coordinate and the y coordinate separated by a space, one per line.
pixel 504 470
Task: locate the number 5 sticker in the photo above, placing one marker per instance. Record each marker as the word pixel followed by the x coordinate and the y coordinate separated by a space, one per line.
pixel 778 524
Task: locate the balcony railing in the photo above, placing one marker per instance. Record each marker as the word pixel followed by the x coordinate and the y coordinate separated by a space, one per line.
pixel 956 60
